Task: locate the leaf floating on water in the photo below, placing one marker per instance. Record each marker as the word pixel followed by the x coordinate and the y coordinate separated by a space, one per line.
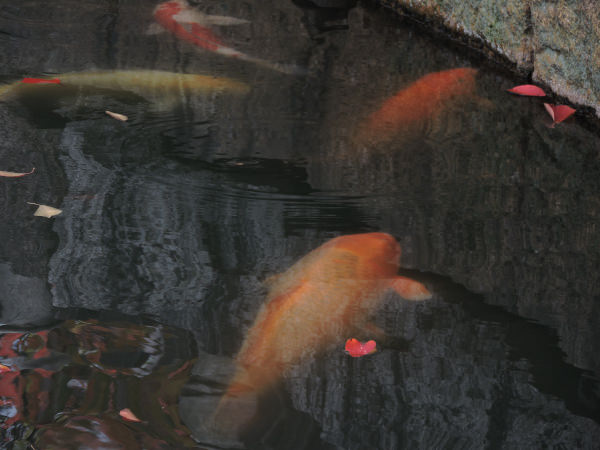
pixel 128 415
pixel 529 90
pixel 559 112
pixel 45 211
pixel 117 116
pixel 15 174
pixel 355 348
pixel 40 81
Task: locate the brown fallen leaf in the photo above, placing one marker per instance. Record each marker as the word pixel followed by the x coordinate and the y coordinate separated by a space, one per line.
pixel 45 211
pixel 117 116
pixel 128 415
pixel 15 174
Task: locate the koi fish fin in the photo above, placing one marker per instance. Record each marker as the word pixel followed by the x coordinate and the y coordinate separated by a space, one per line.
pixel 193 16
pixel 288 69
pixel 232 415
pixel 205 34
pixel 224 20
pixel 371 331
pixel 155 29
pixel 410 289
pixel 270 281
pixel 237 405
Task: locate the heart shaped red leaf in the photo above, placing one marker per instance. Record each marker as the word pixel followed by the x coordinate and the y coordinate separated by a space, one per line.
pixel 355 348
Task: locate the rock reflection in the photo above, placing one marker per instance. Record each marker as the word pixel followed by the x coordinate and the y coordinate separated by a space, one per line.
pixel 66 384
pixel 95 432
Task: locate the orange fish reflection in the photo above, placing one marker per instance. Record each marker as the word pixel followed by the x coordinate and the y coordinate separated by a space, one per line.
pixel 315 303
pixel 422 100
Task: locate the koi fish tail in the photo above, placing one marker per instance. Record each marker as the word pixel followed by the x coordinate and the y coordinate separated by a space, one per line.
pixel 206 39
pixel 6 88
pixel 289 69
pixel 235 409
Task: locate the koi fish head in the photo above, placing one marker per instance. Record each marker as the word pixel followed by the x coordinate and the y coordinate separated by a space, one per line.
pixel 168 15
pixel 170 8
pixel 377 250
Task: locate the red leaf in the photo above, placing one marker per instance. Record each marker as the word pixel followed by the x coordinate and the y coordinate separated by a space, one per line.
pixel 41 81
pixel 356 348
pixel 4 368
pixel 559 112
pixel 128 415
pixel 529 90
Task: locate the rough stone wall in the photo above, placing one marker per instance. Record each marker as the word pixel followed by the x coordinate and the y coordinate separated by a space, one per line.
pixel 557 41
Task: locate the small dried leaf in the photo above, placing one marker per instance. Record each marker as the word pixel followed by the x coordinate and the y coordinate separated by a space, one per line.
pixel 40 81
pixel 15 174
pixel 529 90
pixel 128 415
pixel 559 112
pixel 117 116
pixel 355 348
pixel 45 211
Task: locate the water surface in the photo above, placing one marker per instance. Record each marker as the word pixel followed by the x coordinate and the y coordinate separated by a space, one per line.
pixel 173 220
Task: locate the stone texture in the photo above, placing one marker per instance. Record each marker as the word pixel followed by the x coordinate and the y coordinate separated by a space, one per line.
pixel 555 41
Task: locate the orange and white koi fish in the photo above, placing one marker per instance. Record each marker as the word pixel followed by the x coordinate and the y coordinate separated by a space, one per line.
pixel 190 24
pixel 317 303
pixel 424 99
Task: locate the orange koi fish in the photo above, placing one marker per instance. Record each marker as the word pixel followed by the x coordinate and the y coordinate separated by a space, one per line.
pixel 316 303
pixel 188 24
pixel 424 99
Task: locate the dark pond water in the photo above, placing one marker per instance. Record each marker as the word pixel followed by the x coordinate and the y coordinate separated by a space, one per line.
pixel 140 293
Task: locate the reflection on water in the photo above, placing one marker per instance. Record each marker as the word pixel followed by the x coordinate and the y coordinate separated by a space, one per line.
pixel 64 386
pixel 232 168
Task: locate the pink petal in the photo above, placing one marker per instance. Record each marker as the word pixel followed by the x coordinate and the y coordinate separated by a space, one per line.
pixel 550 109
pixel 559 112
pixel 128 415
pixel 529 90
pixel 562 112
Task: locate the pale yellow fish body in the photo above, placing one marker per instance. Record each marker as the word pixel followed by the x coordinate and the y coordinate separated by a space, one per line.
pixel 163 88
